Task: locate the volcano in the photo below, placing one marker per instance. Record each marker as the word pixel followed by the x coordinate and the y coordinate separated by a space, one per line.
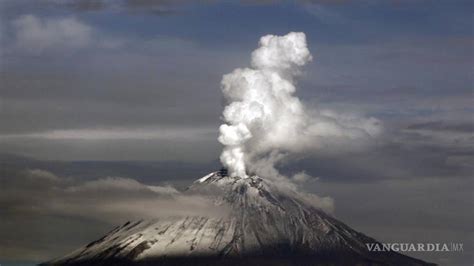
pixel 267 224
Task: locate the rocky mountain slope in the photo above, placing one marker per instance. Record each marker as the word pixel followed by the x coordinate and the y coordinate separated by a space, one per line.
pixel 266 225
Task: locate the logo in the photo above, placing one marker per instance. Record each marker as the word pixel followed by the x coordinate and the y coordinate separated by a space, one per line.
pixel 415 247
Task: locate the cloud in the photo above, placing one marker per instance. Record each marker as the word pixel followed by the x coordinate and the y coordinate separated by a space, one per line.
pixel 101 199
pixel 33 199
pixel 36 199
pixel 154 7
pixel 303 177
pixel 85 5
pixel 412 210
pixel 149 133
pixel 443 126
pixel 397 155
pixel 264 120
pixel 42 175
pixel 36 35
pixel 119 184
pixel 323 13
pixel 159 7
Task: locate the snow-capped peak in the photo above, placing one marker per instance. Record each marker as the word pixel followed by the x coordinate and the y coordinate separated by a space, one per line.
pixel 264 221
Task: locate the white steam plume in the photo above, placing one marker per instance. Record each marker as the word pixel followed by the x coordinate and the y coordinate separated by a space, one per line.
pixel 264 120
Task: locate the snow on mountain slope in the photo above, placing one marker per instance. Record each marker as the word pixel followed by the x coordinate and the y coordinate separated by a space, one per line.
pixel 265 221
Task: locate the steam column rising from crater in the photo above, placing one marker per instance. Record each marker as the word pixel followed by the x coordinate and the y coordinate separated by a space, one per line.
pixel 263 114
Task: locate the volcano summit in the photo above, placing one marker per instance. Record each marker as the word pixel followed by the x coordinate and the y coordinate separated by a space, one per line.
pixel 267 224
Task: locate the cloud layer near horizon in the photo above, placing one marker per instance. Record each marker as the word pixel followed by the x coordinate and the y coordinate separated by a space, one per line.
pixel 38 197
pixel 32 198
pixel 108 199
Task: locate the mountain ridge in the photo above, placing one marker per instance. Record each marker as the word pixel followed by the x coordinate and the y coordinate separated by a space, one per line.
pixel 266 225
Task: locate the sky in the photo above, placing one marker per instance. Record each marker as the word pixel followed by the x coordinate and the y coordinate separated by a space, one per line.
pixel 126 94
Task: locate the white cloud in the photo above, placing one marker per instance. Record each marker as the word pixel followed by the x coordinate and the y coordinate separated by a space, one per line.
pixel 38 174
pixel 148 133
pixel 324 14
pixel 302 177
pixel 36 35
pixel 109 199
pixel 121 184
pixel 264 117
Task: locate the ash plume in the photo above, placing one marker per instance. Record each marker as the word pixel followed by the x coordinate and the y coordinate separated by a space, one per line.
pixel 265 121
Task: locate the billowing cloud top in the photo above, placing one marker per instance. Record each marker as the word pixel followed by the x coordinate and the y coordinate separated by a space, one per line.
pixel 281 52
pixel 264 119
